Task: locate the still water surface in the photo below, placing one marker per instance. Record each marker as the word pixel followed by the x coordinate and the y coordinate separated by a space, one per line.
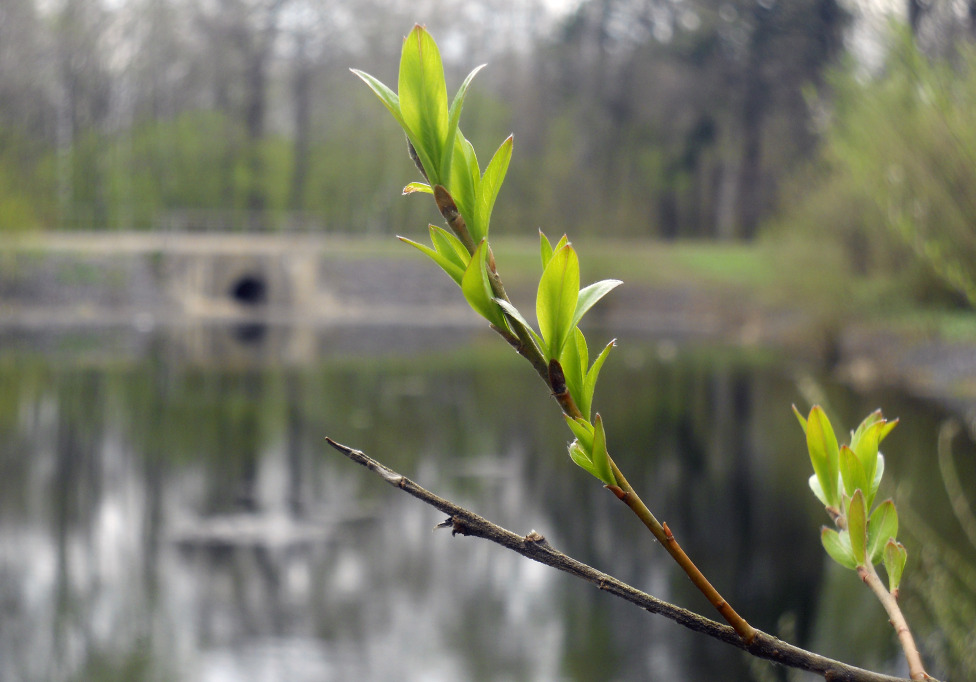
pixel 168 513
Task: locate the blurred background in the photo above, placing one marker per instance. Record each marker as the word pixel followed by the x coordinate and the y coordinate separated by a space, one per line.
pixel 199 280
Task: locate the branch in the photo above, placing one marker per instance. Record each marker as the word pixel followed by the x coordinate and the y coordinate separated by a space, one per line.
pixel 534 546
pixel 552 374
pixel 626 494
pixel 869 575
pixel 522 342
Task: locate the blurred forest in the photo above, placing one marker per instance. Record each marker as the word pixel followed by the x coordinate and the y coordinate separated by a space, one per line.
pixel 632 118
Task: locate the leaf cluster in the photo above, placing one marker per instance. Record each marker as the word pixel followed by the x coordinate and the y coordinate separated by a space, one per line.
pixel 465 197
pixel 846 479
pixel 560 305
pixel 443 154
pixel 895 180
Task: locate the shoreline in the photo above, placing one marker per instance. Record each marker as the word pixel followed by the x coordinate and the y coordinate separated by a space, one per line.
pixel 323 286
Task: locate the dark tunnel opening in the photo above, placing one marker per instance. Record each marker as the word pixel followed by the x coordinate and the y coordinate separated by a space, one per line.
pixel 250 290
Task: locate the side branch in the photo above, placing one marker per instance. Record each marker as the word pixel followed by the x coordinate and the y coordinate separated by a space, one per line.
pixel 626 494
pixel 870 576
pixel 534 546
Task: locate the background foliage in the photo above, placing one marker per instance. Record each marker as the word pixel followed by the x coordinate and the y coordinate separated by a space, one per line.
pixel 632 118
pixel 897 170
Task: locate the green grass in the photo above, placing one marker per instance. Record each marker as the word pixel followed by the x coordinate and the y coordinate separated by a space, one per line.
pixel 654 263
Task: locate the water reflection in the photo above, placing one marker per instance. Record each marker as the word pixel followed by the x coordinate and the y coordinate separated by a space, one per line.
pixel 165 515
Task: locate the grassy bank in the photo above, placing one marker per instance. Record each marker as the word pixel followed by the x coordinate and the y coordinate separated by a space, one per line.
pixel 816 279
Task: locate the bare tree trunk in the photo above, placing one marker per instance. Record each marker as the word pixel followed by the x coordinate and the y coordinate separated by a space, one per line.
pixel 86 89
pixel 301 95
pixel 255 108
pixel 916 8
pixel 750 167
pixel 755 101
pixel 255 39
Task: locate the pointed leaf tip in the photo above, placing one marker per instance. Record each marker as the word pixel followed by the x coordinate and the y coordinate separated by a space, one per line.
pixel 800 418
pixel 589 381
pixel 590 295
pixel 545 249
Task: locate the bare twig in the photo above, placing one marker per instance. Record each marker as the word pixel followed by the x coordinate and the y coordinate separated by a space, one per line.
pixel 625 493
pixel 534 546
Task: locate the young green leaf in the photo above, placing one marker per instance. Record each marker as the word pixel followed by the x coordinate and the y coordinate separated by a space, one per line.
pixel 477 290
pixel 583 430
pixel 454 117
pixel 389 98
pixel 581 457
pixel 878 473
pixel 889 425
pixel 563 241
pixel 866 449
pixel 446 264
pixel 824 453
pixel 814 483
pixel 513 313
pixel 838 546
pixel 857 527
pixel 417 187
pixel 573 360
pixel 491 183
pixel 588 296
pixel 600 456
pixel 882 527
pixel 556 299
pixel 589 450
pixel 449 246
pixel 545 249
pixel 589 383
pixel 800 418
pixel 423 99
pixel 872 418
pixel 895 557
pixel 851 472
pixel 464 181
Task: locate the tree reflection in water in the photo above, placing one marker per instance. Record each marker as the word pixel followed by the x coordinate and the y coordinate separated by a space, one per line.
pixel 168 518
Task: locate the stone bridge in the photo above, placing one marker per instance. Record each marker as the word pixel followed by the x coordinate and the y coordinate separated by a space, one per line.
pixel 226 297
pixel 304 279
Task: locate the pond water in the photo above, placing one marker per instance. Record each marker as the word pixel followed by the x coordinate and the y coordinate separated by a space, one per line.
pixel 169 510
